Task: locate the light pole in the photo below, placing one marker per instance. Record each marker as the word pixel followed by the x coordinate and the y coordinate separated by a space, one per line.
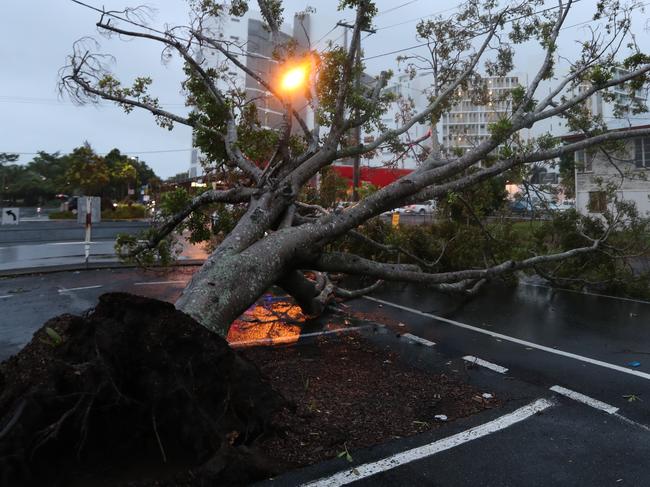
pixel 356 176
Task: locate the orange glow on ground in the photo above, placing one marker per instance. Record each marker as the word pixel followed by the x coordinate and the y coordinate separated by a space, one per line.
pixel 270 323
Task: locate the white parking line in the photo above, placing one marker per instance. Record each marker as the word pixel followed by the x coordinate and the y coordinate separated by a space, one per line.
pixel 64 290
pixel 418 339
pixel 585 292
pixel 292 338
pixel 526 343
pixel 399 459
pixel 485 363
pixel 70 243
pixel 155 283
pixel 6 296
pixel 633 423
pixel 589 401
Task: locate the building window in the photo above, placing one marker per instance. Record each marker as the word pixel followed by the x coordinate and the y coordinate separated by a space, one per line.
pixel 584 160
pixel 642 152
pixel 597 202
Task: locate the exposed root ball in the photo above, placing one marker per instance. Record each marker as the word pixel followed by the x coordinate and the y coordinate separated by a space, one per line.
pixel 134 382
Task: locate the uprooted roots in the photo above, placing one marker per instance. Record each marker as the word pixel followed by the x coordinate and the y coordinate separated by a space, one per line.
pixel 133 382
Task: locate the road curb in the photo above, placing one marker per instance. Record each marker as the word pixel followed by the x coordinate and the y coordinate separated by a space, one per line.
pixel 91 266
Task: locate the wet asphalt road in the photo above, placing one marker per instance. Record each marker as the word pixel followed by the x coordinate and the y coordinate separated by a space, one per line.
pixel 569 443
pixel 613 331
pixel 26 302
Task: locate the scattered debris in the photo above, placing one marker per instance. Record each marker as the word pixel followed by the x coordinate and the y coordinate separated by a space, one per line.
pixel 632 397
pixel 345 453
pixel 401 324
pixel 634 363
pixel 381 401
pixel 440 417
pixel 487 395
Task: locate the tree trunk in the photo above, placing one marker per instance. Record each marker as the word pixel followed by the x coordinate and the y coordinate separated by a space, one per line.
pixel 242 267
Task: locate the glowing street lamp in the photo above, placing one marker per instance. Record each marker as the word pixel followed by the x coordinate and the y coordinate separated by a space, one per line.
pixel 294 78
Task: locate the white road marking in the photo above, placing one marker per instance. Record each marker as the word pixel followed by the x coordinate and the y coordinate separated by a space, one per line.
pixel 485 363
pixel 633 423
pixel 155 283
pixel 589 401
pixel 582 358
pixel 585 292
pixel 5 297
pixel 291 339
pixel 367 469
pixel 70 243
pixel 64 290
pixel 418 339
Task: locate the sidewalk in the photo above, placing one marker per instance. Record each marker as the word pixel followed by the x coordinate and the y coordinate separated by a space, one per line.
pixel 56 256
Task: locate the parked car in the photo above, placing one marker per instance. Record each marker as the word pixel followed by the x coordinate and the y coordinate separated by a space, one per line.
pixel 400 210
pixel 342 205
pixel 421 208
pixel 561 207
pixel 521 206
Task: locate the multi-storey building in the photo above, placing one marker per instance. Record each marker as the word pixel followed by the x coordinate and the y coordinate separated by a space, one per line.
pixel 251 42
pixel 466 124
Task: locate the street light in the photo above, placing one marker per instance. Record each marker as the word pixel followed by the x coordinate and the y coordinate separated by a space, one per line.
pixel 294 78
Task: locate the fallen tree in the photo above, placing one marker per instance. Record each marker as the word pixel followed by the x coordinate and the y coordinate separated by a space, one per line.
pixel 281 241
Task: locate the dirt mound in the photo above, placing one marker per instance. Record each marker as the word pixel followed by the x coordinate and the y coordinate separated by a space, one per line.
pixel 132 383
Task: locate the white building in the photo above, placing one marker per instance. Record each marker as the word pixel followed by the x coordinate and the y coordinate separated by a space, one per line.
pixel 466 124
pixel 629 177
pixel 251 44
pixel 410 92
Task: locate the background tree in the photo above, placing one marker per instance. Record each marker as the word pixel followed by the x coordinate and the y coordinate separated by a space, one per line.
pixel 4 160
pixel 279 238
pixel 87 172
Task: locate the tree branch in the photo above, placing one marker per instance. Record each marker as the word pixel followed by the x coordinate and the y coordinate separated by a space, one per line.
pixel 230 139
pixel 353 264
pixel 216 45
pixel 234 195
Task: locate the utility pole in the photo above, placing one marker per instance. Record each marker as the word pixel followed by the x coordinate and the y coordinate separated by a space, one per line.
pixel 357 130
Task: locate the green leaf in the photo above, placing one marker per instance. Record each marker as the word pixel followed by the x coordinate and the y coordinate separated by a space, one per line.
pixel 54 338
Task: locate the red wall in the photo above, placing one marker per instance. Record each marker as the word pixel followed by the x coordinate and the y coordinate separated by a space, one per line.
pixel 379 176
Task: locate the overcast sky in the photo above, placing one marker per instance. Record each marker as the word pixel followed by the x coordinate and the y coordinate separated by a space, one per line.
pixel 37 35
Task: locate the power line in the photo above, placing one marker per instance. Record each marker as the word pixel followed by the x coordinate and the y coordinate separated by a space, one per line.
pixel 163 33
pixel 422 44
pixel 325 35
pixel 57 102
pixel 384 12
pixel 123 152
pixel 416 18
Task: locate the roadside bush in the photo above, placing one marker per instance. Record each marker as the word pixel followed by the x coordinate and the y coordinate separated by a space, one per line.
pixel 125 212
pixel 468 246
pixel 607 270
pixel 62 215
pixel 465 246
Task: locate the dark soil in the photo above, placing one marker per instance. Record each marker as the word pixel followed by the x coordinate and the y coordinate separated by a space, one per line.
pixel 132 386
pixel 347 394
pixel 136 393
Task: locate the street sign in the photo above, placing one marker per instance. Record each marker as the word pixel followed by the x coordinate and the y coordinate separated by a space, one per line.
pixel 10 216
pixel 95 209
